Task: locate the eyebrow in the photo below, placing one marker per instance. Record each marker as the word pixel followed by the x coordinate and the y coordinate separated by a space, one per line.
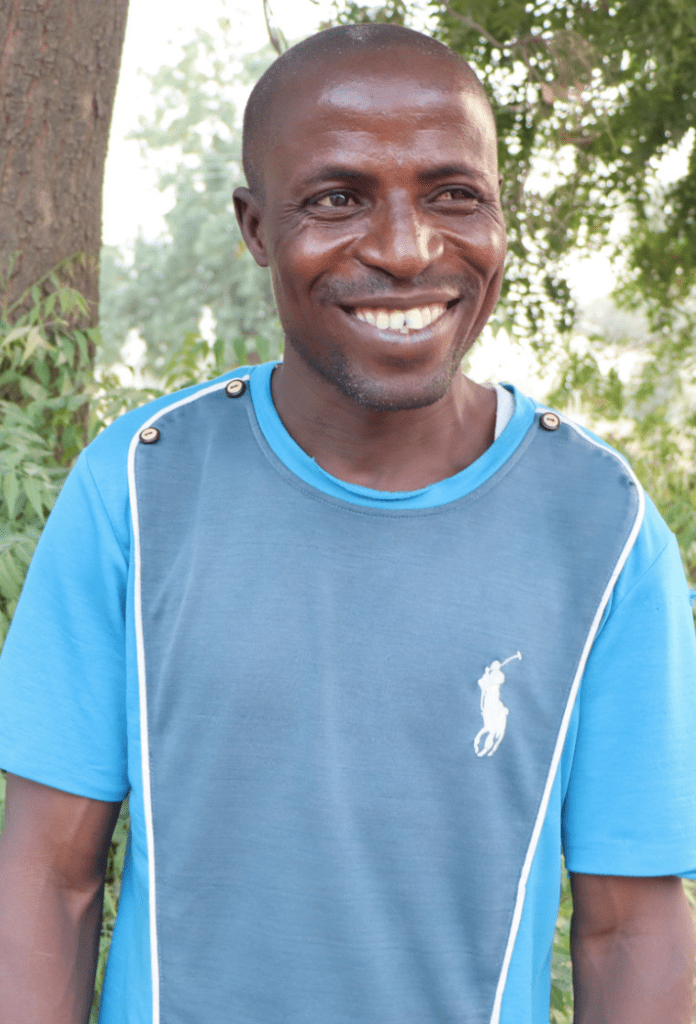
pixel 449 171
pixel 334 171
pixel 345 173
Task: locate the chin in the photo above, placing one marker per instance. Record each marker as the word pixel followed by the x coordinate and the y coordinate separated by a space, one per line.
pixel 385 395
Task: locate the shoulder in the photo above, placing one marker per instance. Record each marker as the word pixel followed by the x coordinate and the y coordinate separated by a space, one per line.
pixel 98 486
pixel 652 542
pixel 106 458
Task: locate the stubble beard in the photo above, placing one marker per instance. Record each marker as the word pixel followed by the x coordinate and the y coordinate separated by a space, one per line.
pixel 380 397
pixel 374 394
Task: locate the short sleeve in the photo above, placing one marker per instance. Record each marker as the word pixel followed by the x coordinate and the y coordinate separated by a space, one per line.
pixel 63 665
pixel 630 806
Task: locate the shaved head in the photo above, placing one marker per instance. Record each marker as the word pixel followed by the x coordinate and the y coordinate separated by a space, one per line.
pixel 286 74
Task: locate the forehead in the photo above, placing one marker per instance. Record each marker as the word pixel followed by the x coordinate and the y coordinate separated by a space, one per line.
pixel 380 106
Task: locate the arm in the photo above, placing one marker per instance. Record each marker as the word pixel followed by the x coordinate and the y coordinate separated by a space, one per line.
pixel 53 856
pixel 632 946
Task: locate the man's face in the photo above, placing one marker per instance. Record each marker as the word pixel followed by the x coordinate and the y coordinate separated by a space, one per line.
pixel 382 224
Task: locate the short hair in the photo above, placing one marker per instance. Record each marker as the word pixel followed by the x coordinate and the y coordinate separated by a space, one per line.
pixel 331 42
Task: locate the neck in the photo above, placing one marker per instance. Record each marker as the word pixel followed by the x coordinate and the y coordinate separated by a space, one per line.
pixel 387 451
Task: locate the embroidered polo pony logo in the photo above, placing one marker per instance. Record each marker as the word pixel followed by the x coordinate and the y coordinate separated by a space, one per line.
pixel 492 708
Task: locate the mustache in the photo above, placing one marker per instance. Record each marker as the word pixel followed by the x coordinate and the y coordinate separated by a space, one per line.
pixel 339 293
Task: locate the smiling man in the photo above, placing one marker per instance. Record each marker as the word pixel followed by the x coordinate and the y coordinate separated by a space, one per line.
pixel 366 643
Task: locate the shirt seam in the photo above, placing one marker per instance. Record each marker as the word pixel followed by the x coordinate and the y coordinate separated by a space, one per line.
pixel 642 576
pixel 342 504
pixel 295 481
pixel 125 552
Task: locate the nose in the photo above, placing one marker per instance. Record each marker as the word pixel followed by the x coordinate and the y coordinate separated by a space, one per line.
pixel 400 239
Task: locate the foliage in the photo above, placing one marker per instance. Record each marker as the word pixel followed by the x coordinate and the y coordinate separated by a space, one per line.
pixel 561 970
pixel 51 406
pixel 645 420
pixel 45 383
pixel 201 265
pixel 393 12
pixel 570 81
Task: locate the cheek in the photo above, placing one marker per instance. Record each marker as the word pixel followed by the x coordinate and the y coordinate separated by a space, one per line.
pixel 311 254
pixel 495 243
pixel 487 247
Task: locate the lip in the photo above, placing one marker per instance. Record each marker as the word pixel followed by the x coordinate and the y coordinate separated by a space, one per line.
pixel 402 302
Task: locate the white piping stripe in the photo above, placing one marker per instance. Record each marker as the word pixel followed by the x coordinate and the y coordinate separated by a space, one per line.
pixel 140 647
pixel 144 739
pixel 560 742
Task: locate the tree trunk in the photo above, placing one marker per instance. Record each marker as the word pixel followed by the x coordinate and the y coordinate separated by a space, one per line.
pixel 59 62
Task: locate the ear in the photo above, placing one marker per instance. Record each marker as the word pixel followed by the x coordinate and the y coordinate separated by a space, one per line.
pixel 250 218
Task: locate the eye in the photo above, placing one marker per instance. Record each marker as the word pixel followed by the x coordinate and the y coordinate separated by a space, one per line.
pixel 335 200
pixel 458 194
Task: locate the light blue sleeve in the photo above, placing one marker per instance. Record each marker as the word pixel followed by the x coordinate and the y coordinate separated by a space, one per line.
pixel 630 806
pixel 62 669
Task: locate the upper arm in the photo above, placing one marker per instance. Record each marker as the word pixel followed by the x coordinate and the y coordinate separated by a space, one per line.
pixel 65 699
pixel 56 835
pixel 605 904
pixel 630 804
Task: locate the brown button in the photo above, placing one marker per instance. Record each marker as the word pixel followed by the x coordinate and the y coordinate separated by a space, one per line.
pixel 235 388
pixel 550 421
pixel 149 435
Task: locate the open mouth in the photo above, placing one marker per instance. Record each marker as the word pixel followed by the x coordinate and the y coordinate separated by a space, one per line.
pixel 403 321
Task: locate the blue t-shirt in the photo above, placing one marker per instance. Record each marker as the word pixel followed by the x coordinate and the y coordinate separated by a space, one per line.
pixel 624 793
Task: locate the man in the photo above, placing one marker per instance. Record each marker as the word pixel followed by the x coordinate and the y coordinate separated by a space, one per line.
pixel 263 607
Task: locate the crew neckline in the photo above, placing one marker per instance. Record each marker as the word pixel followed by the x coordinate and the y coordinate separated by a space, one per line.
pixel 442 492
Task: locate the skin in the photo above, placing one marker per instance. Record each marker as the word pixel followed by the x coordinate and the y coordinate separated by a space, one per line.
pixel 381 190
pixel 633 949
pixel 386 412
pixel 53 856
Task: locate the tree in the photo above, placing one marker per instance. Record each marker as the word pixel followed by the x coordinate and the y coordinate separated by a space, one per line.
pixel 59 64
pixel 200 266
pixel 605 89
pixel 58 68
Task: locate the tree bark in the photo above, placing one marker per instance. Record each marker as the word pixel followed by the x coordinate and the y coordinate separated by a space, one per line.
pixel 59 63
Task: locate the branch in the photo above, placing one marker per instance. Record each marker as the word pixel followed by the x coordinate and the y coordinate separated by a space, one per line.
pixel 474 26
pixel 278 40
pixel 519 44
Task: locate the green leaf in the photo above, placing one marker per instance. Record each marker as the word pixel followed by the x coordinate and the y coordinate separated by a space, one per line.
pixel 33 493
pixel 15 335
pixel 34 341
pixel 10 493
pixel 11 576
pixel 83 346
pixel 263 348
pixel 240 350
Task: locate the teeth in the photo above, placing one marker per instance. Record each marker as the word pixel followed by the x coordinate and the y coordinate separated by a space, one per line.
pixel 402 320
pixel 414 319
